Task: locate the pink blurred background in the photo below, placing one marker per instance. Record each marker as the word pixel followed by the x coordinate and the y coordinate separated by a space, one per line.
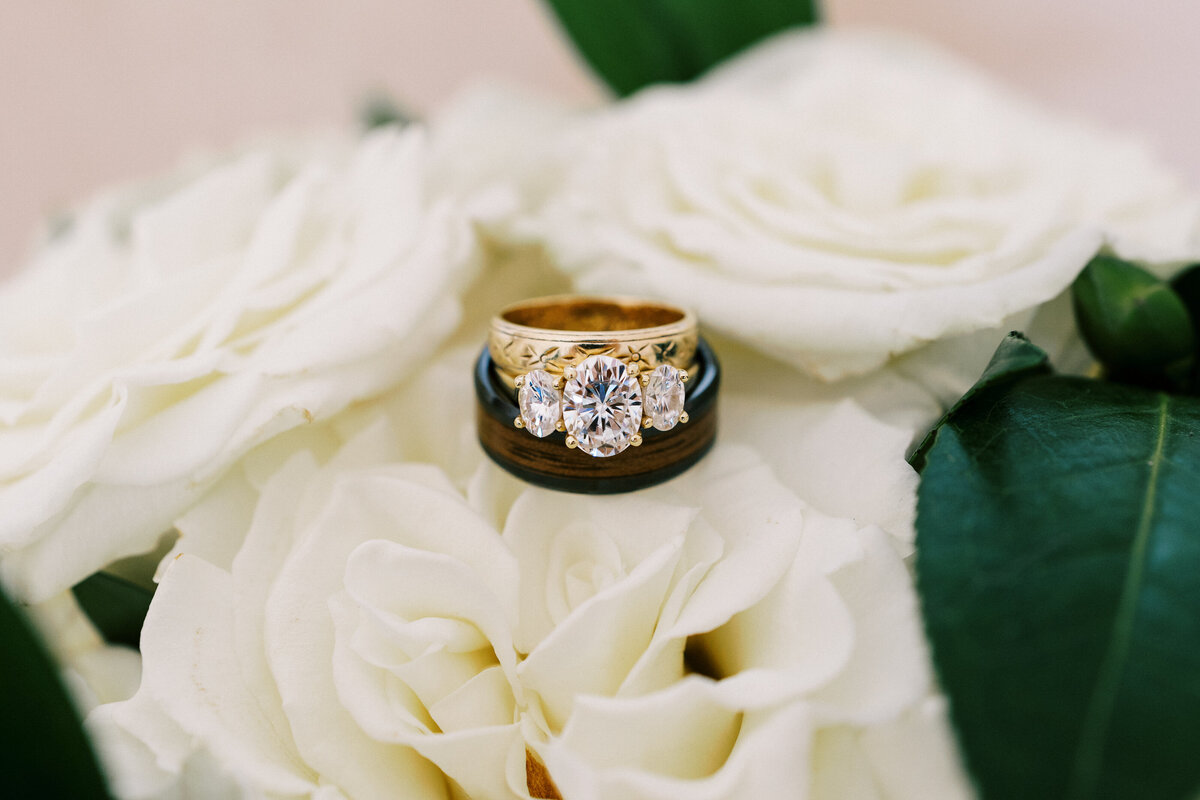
pixel 96 91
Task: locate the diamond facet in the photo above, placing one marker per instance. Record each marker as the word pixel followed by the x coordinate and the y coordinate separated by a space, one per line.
pixel 664 397
pixel 602 406
pixel 540 403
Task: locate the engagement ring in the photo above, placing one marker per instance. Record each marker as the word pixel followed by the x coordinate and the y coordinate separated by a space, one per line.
pixel 575 381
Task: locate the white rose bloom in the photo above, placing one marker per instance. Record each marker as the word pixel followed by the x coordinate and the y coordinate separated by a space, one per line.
pixel 359 629
pixel 93 671
pixel 839 446
pixel 171 330
pixel 836 199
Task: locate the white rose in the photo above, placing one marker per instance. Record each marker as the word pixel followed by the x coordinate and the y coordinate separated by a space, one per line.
pixel 93 671
pixel 832 651
pixel 171 330
pixel 367 630
pixel 841 447
pixel 837 198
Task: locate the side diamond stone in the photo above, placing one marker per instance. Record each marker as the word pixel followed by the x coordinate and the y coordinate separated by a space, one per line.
pixel 664 397
pixel 602 406
pixel 540 403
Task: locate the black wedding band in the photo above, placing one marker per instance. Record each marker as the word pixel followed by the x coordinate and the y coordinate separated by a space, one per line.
pixel 549 463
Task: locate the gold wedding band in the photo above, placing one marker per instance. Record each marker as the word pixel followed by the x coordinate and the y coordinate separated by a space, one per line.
pixel 599 369
pixel 554 333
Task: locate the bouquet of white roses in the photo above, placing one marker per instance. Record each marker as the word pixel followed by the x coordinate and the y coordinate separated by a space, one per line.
pixel 945 546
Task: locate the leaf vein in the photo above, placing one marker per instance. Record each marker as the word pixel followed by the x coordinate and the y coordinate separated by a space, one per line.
pixel 1089 753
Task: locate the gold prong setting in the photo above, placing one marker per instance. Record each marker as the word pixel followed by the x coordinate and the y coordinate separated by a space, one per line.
pixel 539 401
pixel 593 397
pixel 665 396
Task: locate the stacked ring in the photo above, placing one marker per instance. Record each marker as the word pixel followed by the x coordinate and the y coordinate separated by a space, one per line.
pixel 588 394
pixel 553 333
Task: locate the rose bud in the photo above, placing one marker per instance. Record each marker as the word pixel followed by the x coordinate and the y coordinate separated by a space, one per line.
pixel 1132 321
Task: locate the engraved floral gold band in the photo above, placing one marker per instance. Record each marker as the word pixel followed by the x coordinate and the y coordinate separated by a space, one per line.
pixel 598 369
pixel 552 333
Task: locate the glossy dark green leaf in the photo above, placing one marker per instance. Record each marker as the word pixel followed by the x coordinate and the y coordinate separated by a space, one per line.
pixel 1016 357
pixel 43 750
pixel 115 606
pixel 1132 321
pixel 634 43
pixel 1058 561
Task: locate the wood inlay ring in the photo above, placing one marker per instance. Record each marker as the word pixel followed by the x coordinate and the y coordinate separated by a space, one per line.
pixel 549 463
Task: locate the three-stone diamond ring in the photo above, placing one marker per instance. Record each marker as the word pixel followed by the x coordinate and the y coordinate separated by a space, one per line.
pixel 598 369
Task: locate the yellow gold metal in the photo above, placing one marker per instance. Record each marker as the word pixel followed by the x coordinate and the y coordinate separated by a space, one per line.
pixel 560 380
pixel 556 333
pixel 683 416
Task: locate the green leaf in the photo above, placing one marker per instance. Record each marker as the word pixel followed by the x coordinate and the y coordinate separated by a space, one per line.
pixel 380 111
pixel 634 43
pixel 1132 321
pixel 115 606
pixel 43 749
pixel 1016 357
pixel 1058 561
pixel 1187 285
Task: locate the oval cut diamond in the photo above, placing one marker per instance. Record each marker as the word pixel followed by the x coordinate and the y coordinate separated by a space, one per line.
pixel 664 397
pixel 602 406
pixel 540 403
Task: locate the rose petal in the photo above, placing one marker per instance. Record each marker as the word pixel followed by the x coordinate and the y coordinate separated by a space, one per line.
pixel 191 669
pixel 765 761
